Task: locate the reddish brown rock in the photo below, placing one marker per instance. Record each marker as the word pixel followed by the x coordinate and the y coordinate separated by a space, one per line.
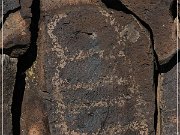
pixel 16 27
pixel 94 68
pixel 16 35
pixel 10 5
pixel 87 78
pixel 158 14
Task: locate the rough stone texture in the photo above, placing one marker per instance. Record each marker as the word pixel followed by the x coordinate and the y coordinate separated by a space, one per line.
pixel 9 73
pixel 94 68
pixel 10 5
pixel 1 13
pixel 16 28
pixel 49 5
pixel 26 9
pixel 87 78
pixel 157 14
pixel 168 102
pixel 16 35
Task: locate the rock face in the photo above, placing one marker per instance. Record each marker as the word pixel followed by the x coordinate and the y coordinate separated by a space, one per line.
pixel 89 67
pixel 16 40
pixel 16 33
pixel 168 102
pixel 8 6
pixel 160 16
pixel 86 79
pixel 9 73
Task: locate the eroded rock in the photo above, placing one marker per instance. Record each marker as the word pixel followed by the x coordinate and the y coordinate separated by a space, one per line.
pixel 94 71
pixel 16 35
pixel 168 102
pixel 158 14
pixel 8 7
pixel 16 27
pixel 87 78
pixel 9 77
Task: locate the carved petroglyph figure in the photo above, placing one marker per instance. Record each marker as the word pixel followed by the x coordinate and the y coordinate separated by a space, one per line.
pixel 94 69
pixel 90 75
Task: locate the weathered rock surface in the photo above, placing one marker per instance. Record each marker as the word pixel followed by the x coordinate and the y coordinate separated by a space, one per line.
pixel 16 40
pixel 16 35
pixel 8 6
pixel 87 78
pixel 94 69
pixel 16 28
pixel 159 15
pixel 168 102
pixel 9 77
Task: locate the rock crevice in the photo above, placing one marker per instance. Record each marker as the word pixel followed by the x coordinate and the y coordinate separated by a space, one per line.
pixel 25 62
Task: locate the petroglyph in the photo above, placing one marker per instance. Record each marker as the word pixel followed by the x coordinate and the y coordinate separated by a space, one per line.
pixel 91 67
pixel 80 71
pixel 60 51
pixel 60 84
pixel 56 46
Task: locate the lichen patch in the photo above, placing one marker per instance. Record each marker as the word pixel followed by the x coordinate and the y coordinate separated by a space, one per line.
pixel 130 33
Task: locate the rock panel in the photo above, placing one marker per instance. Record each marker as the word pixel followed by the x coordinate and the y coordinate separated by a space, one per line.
pixel 158 14
pixel 9 77
pixel 168 102
pixel 87 78
pixel 10 5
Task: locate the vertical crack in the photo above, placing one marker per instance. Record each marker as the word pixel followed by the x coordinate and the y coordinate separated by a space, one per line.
pixel 24 62
pixel 119 6
pixel 173 9
pixel 164 68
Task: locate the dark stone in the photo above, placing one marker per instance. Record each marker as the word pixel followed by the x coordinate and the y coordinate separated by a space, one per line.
pixel 87 78
pixel 26 8
pixel 16 39
pixel 158 14
pixel 16 27
pixel 168 102
pixel 9 77
pixel 10 5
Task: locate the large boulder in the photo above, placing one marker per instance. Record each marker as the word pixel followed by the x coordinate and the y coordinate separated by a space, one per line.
pixel 93 74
